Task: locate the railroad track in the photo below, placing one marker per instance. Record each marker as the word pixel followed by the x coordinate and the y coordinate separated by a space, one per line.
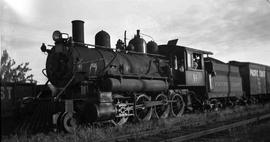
pixel 178 134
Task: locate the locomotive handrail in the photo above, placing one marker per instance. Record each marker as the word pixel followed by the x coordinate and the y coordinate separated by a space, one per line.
pixel 62 90
pixel 93 45
pixel 134 52
pixel 138 76
pixel 89 61
pixel 40 92
pixel 109 64
pixel 44 72
pixel 126 51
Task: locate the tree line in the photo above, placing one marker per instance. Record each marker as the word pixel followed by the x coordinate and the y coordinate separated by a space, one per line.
pixel 10 72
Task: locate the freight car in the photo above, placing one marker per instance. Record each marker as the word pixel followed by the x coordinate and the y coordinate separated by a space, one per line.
pixel 136 80
pixel 11 96
pixel 268 79
pixel 255 78
pixel 19 102
pixel 12 109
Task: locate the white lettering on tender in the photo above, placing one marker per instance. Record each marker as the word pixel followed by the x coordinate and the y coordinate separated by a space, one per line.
pixel 262 73
pixel 254 73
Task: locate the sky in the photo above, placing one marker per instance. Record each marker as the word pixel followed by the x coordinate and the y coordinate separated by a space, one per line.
pixel 231 29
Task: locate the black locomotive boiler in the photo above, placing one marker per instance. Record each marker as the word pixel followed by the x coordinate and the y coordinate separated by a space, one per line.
pixel 101 83
pixel 138 80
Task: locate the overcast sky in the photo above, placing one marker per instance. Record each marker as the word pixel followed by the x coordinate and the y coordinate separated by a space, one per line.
pixel 231 29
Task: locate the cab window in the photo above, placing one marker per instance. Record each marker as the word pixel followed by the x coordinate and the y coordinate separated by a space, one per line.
pixel 189 64
pixel 197 61
pixel 194 61
pixel 178 64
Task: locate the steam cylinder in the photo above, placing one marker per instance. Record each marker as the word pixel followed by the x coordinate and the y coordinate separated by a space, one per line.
pixel 78 31
pixel 102 38
pixel 97 112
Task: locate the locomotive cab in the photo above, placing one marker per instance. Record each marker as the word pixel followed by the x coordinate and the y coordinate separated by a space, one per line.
pixel 187 64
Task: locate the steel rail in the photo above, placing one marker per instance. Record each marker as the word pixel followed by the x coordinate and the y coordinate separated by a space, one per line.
pixel 217 129
pixel 190 135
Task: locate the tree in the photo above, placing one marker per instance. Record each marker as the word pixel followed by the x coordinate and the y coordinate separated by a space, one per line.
pixel 11 73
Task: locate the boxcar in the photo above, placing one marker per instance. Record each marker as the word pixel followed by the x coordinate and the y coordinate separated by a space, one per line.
pixel 268 80
pixel 253 77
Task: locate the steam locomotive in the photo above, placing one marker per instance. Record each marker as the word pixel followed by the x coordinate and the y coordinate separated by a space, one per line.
pixel 141 80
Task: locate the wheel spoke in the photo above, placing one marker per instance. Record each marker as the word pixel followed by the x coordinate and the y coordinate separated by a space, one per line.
pixel 141 111
pixel 177 105
pixel 162 111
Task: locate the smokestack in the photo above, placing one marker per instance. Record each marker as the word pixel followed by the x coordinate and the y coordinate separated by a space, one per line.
pixel 78 31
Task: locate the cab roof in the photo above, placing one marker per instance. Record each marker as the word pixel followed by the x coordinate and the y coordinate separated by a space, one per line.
pixel 167 49
pixel 172 46
pixel 196 50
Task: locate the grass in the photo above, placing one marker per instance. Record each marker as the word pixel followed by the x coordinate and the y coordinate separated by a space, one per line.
pixel 248 133
pixel 99 133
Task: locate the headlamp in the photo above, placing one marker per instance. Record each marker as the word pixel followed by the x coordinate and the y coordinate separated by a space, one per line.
pixel 57 35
